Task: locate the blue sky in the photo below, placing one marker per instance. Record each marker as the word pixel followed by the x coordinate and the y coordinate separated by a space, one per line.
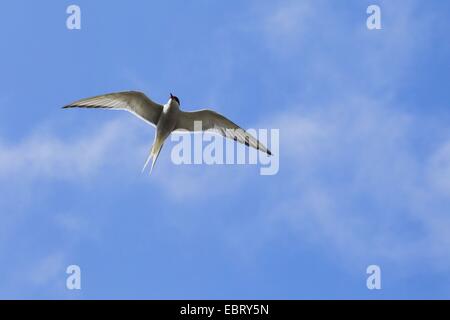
pixel 364 151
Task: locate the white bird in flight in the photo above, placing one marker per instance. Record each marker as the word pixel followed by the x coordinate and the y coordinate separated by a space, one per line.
pixel 168 118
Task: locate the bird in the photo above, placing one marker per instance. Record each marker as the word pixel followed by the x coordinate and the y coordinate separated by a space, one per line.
pixel 169 118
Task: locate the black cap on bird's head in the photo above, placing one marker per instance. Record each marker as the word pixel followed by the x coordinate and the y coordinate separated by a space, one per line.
pixel 175 98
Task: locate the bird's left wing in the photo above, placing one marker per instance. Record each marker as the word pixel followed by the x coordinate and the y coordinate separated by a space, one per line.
pixel 133 101
pixel 211 120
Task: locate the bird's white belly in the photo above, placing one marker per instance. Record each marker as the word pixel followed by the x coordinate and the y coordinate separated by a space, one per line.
pixel 168 120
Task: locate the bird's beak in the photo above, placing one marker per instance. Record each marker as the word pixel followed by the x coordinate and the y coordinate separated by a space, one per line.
pixel 171 96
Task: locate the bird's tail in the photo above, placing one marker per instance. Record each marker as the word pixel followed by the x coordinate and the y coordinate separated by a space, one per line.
pixel 154 153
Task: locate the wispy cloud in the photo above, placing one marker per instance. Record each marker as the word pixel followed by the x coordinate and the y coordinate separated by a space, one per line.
pixel 360 183
pixel 46 155
pixel 357 180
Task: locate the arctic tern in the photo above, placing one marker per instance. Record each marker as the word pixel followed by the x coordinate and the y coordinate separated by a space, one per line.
pixel 168 118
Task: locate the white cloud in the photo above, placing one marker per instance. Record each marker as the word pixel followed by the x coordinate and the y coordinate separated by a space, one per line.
pixel 47 269
pixel 357 184
pixel 46 155
pixel 290 22
pixel 354 178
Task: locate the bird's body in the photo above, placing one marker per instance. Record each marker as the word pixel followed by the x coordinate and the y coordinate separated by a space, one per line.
pixel 168 118
pixel 166 124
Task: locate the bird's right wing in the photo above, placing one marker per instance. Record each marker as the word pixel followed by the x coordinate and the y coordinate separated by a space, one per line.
pixel 135 102
pixel 211 120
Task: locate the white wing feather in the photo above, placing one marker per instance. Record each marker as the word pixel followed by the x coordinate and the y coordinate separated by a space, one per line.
pixel 133 101
pixel 212 120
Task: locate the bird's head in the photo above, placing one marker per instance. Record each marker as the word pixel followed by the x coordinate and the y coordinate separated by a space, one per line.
pixel 172 97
